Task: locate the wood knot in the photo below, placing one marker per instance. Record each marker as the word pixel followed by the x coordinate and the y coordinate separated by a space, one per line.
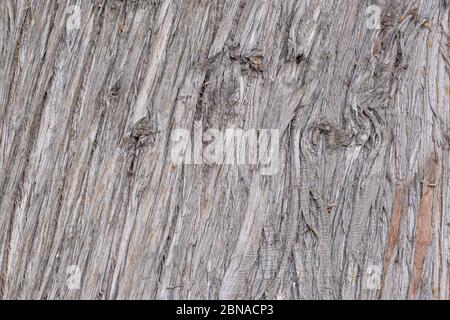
pixel 334 135
pixel 115 89
pixel 145 131
pixel 254 60
pixel 256 63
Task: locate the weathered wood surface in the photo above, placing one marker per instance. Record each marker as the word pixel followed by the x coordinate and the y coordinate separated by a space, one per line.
pixel 86 179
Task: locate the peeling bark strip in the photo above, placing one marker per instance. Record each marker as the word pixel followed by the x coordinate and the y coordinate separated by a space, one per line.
pixel 397 213
pixel 423 232
pixel 357 201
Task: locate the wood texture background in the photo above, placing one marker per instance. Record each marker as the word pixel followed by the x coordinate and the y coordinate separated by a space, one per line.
pixel 86 180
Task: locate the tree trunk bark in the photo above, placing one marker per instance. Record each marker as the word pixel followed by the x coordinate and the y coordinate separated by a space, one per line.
pixel 357 203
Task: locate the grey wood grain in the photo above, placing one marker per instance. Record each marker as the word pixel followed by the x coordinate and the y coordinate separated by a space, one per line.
pixel 359 207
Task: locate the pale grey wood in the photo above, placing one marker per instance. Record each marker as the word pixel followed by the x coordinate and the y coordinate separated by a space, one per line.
pixel 85 172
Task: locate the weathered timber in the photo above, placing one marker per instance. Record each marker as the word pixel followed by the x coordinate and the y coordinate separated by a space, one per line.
pixel 359 207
